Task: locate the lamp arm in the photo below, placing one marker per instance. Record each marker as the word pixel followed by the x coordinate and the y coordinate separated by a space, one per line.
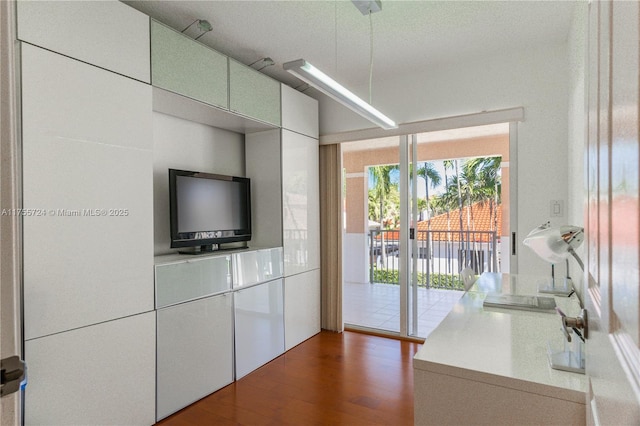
pixel 577 258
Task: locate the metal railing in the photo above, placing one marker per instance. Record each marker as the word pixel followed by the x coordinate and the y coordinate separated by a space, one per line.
pixel 441 255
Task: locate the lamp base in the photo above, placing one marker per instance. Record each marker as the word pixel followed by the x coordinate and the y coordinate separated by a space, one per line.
pixel 561 286
pixel 569 357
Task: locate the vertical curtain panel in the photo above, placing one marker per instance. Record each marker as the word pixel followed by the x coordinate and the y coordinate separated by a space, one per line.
pixel 331 236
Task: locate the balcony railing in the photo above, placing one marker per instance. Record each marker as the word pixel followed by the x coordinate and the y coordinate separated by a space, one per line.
pixel 440 256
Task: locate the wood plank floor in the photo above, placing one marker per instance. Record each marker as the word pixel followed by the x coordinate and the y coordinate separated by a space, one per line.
pixel 331 379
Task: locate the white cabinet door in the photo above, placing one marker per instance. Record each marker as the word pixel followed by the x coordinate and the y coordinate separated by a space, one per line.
pixel 300 203
pixel 256 266
pixel 299 112
pixel 259 326
pixel 301 307
pixel 195 351
pixel 253 94
pixel 102 374
pixel 108 34
pixel 191 279
pixel 87 170
pixel 185 66
pixel 263 165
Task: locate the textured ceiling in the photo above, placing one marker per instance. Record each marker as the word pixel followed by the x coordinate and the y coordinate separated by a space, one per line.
pixel 335 36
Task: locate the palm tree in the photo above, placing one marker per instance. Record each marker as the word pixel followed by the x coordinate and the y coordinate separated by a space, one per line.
pixel 482 182
pixel 448 164
pixel 477 182
pixel 428 171
pixel 381 176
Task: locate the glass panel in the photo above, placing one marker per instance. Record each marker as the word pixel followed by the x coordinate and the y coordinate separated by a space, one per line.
pixel 457 222
pixel 461 196
pixel 371 240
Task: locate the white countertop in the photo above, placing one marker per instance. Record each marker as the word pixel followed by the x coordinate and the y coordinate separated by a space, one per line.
pixel 504 347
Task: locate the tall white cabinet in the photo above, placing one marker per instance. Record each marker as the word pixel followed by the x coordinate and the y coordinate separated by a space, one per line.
pixel 106 341
pixel 88 246
pixel 284 165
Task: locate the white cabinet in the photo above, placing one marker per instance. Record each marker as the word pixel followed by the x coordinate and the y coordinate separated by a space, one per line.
pixel 253 94
pixel 87 168
pixel 102 374
pixel 108 34
pixel 257 266
pixel 299 112
pixel 263 166
pixel 195 351
pixel 492 360
pixel 296 170
pixel 185 66
pixel 259 326
pixel 300 203
pixel 301 307
pixel 183 280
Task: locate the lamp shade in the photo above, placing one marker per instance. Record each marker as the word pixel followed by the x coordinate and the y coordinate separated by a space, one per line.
pixel 554 244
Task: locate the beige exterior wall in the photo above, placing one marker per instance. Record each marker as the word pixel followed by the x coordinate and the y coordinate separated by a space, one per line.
pixel 355 163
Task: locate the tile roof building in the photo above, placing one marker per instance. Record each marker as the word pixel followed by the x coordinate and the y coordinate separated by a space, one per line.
pixel 479 217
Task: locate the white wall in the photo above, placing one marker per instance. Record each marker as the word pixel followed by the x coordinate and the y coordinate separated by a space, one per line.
pixel 577 128
pixel 355 258
pixel 535 79
pixel 186 145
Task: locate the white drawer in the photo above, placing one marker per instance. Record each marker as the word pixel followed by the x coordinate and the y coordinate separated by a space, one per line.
pixel 192 279
pixel 256 266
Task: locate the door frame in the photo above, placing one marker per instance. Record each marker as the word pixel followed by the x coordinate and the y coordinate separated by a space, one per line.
pixel 10 201
pixel 511 116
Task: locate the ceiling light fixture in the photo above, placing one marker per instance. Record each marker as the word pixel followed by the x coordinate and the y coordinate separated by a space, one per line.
pixel 262 63
pixel 367 7
pixel 203 25
pixel 316 78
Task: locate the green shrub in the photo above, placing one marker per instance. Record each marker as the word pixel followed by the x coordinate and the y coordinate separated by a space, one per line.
pixel 444 281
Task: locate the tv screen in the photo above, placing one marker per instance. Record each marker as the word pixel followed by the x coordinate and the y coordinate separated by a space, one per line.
pixel 207 210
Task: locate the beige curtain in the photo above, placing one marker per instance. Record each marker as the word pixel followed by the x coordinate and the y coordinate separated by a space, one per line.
pixel 331 236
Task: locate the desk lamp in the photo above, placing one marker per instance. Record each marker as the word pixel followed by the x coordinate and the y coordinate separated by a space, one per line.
pixel 555 244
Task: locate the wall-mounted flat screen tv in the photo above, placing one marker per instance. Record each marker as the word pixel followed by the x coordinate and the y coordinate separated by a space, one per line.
pixel 207 210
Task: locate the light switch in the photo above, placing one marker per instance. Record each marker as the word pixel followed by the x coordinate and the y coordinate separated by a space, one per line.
pixel 557 208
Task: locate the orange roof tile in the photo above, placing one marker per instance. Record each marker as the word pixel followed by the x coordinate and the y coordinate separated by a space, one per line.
pixel 480 218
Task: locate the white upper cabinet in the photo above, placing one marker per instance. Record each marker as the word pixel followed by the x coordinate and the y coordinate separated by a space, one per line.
pixel 300 203
pixel 299 112
pixel 108 34
pixel 253 94
pixel 185 66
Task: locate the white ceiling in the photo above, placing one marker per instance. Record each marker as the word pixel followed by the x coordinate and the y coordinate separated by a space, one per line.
pixel 335 36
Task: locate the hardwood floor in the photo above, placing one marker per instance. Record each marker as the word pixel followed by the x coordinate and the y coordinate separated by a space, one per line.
pixel 331 379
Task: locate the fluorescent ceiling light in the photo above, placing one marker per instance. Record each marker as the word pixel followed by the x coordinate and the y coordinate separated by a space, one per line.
pixel 312 75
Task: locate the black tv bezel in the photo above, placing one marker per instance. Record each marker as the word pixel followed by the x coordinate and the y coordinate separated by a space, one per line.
pixel 178 240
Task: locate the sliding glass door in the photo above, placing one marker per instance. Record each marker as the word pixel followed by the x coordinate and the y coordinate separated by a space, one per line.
pixel 418 209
